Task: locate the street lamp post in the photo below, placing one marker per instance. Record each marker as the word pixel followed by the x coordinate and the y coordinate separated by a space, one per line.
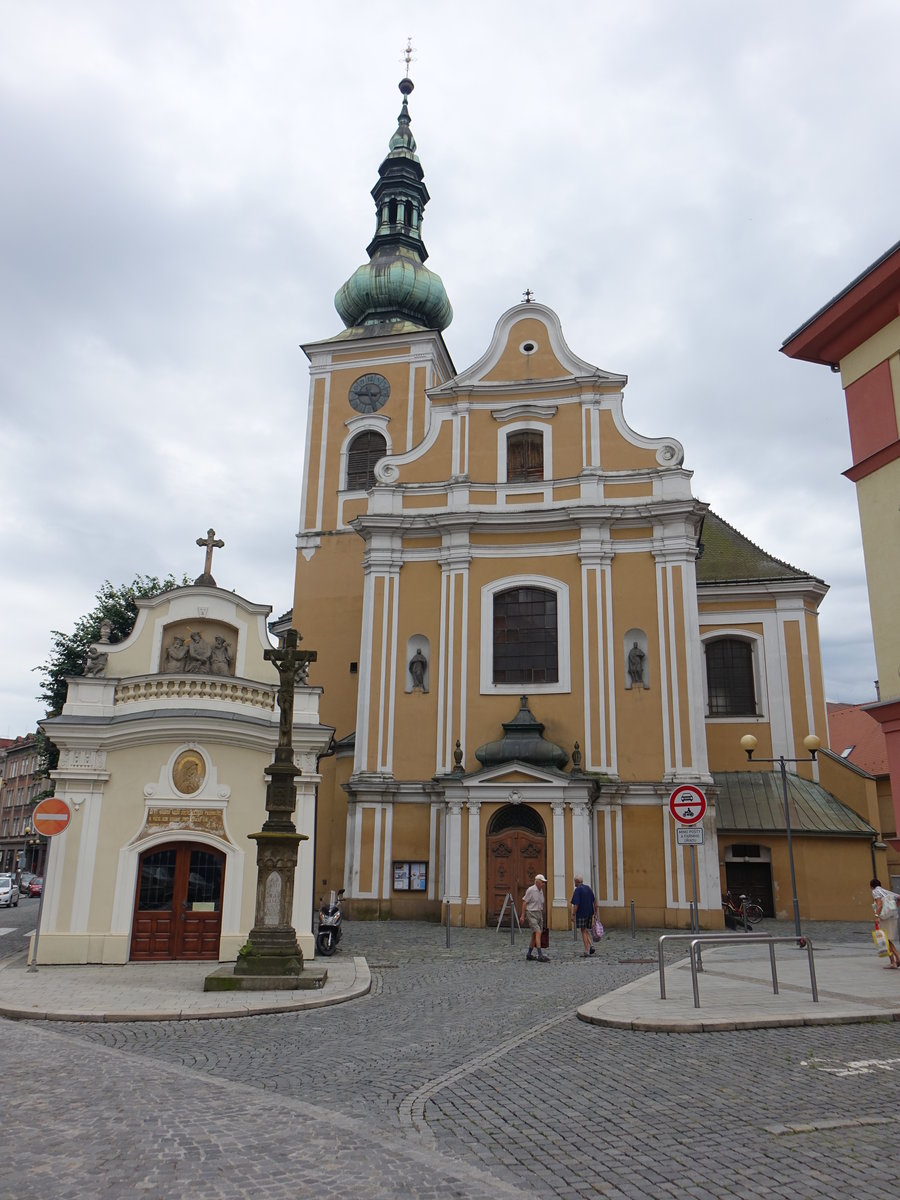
pixel 812 744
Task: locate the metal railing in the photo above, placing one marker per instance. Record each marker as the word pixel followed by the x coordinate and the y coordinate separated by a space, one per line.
pixel 763 939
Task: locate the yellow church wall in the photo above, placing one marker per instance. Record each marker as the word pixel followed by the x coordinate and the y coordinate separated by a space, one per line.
pixel 797 690
pixel 566 492
pixel 852 787
pixel 315 430
pixel 331 824
pixel 513 365
pixel 645 866
pixel 415 720
pixel 410 843
pixel 817 681
pixel 368 852
pixel 724 606
pixel 638 710
pixel 328 615
pixel 618 455
pixel 629 533
pixel 723 742
pixel 414 500
pixel 420 380
pixel 482 498
pixel 437 464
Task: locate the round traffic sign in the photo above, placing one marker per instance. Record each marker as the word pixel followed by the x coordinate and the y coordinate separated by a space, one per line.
pixel 687 804
pixel 51 816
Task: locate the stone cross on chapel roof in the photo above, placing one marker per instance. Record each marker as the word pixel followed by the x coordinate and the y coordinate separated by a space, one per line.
pixel 210 541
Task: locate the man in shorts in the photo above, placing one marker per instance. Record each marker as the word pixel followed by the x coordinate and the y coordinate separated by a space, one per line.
pixel 584 909
pixel 533 917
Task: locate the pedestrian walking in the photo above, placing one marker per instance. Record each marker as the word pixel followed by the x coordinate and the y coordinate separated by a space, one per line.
pixel 584 910
pixel 885 905
pixel 533 916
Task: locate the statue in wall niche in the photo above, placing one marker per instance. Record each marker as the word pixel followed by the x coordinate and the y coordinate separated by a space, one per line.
pixel 636 658
pixel 199 654
pixel 417 666
pixel 175 656
pixel 220 659
pixel 95 661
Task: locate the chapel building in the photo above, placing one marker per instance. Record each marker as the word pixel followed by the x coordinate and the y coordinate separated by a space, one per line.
pixel 530 631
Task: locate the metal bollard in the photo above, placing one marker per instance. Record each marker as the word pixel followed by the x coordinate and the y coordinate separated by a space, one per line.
pixel 448 924
pixel 632 918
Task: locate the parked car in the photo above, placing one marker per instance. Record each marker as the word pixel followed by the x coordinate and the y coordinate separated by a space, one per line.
pixel 25 877
pixel 9 892
pixel 36 886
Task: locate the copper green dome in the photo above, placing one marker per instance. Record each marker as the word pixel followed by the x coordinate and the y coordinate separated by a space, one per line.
pixel 395 287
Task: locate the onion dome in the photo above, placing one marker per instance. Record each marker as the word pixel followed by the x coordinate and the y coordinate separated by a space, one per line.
pixel 523 741
pixel 395 287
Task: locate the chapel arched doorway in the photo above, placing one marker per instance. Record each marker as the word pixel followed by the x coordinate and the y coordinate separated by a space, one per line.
pixel 178 903
pixel 516 852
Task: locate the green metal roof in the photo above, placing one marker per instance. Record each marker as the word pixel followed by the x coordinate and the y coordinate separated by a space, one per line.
pixel 729 557
pixel 753 802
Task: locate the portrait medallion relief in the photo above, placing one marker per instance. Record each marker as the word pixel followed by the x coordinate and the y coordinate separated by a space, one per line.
pixel 189 772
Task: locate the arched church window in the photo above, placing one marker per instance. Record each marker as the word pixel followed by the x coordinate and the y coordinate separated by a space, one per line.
pixel 363 453
pixel 526 637
pixel 516 816
pixel 729 678
pixel 524 456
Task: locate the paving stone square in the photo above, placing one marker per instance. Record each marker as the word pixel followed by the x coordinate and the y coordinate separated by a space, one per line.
pixel 464 1072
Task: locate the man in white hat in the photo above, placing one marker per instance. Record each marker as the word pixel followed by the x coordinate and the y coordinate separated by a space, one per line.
pixel 533 917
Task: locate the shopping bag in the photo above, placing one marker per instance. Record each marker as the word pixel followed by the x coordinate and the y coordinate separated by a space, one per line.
pixel 597 929
pixel 545 938
pixel 879 937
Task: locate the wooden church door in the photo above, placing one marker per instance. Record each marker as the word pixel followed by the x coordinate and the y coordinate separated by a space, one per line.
pixel 514 857
pixel 178 907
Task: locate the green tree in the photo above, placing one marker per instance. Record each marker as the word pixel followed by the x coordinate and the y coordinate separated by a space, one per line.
pixel 118 605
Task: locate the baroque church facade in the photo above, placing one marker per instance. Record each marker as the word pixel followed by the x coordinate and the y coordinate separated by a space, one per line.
pixel 530 631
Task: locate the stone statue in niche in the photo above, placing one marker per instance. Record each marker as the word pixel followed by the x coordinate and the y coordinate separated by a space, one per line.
pixel 198 648
pixel 176 653
pixel 636 659
pixel 220 659
pixel 95 661
pixel 417 667
pixel 199 654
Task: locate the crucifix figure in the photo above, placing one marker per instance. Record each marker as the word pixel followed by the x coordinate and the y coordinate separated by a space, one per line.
pixel 289 663
pixel 209 542
pixel 528 295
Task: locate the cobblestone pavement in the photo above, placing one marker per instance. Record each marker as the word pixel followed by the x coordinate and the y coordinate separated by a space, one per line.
pixel 463 1066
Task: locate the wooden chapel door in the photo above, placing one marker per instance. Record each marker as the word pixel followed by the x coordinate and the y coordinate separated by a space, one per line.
pixel 514 857
pixel 178 906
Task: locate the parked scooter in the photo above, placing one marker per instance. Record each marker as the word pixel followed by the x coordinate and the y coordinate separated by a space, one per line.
pixel 330 922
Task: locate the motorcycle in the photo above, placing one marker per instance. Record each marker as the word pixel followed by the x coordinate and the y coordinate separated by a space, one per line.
pixel 330 921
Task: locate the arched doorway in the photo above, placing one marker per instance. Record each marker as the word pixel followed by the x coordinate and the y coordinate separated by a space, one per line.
pixel 516 852
pixel 178 903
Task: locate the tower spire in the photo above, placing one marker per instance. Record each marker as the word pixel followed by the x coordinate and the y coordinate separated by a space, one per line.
pixel 395 289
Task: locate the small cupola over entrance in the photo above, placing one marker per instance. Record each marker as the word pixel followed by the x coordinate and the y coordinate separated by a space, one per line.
pixel 523 741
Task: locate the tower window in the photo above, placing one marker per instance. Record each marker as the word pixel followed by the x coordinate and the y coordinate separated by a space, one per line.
pixel 524 456
pixel 729 678
pixel 392 212
pixel 363 453
pixel 525 636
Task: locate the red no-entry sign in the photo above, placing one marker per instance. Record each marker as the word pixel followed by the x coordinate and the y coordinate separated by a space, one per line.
pixel 51 816
pixel 687 804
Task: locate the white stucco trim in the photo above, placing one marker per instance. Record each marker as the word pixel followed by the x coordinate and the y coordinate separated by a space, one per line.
pixel 488 591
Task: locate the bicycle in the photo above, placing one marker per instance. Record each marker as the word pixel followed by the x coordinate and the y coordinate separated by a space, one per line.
pixel 736 911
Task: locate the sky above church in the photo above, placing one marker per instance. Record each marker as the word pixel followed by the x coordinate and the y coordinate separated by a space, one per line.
pixel 186 185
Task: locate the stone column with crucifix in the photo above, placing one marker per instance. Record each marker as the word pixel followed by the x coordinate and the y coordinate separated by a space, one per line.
pixel 272 957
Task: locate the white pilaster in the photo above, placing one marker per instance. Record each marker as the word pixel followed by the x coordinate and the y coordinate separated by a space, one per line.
pixel 454 850
pixel 560 898
pixel 474 885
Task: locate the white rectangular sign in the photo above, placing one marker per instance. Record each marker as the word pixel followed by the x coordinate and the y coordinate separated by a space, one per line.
pixel 689 835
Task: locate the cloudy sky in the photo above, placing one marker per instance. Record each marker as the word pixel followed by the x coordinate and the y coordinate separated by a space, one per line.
pixel 186 186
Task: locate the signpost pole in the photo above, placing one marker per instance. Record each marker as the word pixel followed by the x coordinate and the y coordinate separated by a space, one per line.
pixel 50 817
pixel 695 912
